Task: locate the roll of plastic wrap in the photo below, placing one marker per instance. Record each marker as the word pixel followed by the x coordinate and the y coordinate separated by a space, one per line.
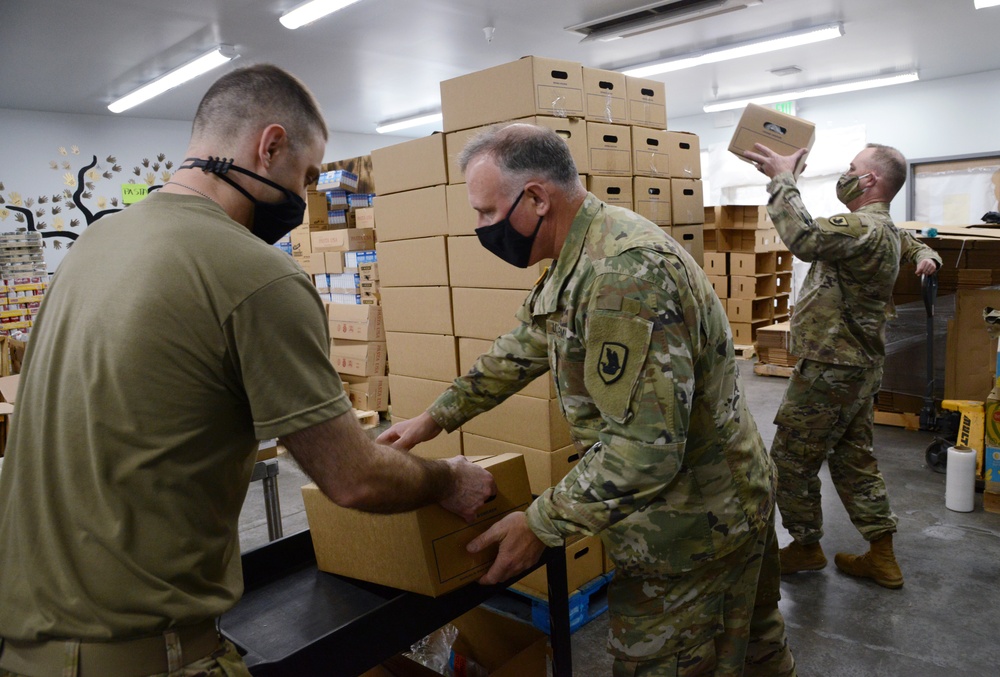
pixel 960 483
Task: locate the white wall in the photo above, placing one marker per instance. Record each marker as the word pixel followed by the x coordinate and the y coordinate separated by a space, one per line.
pixel 926 119
pixel 32 140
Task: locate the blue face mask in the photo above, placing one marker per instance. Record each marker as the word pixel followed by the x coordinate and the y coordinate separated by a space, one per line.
pixel 503 240
pixel 271 220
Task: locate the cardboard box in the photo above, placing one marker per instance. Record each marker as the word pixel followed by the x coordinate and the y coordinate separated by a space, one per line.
pixel 573 131
pixel 613 190
pixel 462 218
pixel 422 551
pixel 8 395
pixel 748 311
pixel 424 310
pixel 584 563
pixel 742 333
pixel 472 265
pixel 971 352
pixel 485 313
pixel 470 349
pixel 409 165
pixel 364 217
pixel 360 358
pixel 301 241
pixel 545 468
pixel 784 134
pixel 757 263
pixel 759 286
pixel 346 239
pixel 312 264
pixel 647 102
pixel 502 646
pixel 367 393
pixel 684 153
pixel 651 199
pixel 692 238
pixel 333 262
pixel 415 213
pixel 687 203
pixel 604 92
pixel 420 262
pixel 430 356
pixel 609 149
pixel 412 396
pixel 355 322
pixel 445 445
pixel 528 86
pixel 716 263
pixel 720 285
pixel 540 423
pixel 650 148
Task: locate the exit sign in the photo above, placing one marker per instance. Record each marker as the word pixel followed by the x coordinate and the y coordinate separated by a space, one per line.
pixel 786 107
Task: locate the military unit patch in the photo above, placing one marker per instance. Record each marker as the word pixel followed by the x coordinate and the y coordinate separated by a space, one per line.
pixel 611 366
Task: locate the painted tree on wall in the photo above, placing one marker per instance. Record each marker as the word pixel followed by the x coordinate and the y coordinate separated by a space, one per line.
pixel 61 215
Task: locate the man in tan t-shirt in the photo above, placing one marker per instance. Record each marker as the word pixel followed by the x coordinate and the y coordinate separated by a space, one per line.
pixel 171 340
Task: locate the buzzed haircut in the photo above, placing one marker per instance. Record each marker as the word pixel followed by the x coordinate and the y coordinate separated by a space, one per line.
pixel 891 166
pixel 521 151
pixel 250 98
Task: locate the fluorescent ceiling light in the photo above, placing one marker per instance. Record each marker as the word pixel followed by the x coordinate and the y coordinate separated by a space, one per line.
pixel 178 76
pixel 407 123
pixel 822 90
pixel 308 12
pixel 983 4
pixel 741 49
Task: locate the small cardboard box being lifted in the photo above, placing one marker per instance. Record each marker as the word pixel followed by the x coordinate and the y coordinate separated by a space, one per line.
pixel 421 551
pixel 784 134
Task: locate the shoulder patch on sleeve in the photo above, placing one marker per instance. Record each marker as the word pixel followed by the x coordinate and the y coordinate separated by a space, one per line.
pixel 845 224
pixel 617 345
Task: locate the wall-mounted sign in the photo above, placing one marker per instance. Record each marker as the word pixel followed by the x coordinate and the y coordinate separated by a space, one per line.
pixel 133 192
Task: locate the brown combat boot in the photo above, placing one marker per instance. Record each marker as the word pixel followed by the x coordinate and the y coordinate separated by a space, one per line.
pixel 795 557
pixel 878 564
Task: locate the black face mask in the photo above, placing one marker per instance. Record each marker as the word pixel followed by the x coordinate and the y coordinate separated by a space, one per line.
pixel 503 240
pixel 271 220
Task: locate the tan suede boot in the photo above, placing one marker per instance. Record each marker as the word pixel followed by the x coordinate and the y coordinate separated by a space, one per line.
pixel 794 558
pixel 878 564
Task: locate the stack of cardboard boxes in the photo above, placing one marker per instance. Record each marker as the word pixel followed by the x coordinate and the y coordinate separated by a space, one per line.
pixel 336 247
pixel 411 221
pixel 749 267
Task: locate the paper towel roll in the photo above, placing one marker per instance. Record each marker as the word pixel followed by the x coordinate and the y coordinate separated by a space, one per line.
pixel 960 484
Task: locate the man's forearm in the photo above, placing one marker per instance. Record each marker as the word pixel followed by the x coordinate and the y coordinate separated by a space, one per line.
pixel 355 472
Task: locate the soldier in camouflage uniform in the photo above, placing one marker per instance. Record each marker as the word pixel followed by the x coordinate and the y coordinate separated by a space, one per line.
pixel 675 477
pixel 838 334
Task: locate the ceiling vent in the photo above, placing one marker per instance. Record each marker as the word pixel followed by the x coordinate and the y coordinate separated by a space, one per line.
pixel 654 16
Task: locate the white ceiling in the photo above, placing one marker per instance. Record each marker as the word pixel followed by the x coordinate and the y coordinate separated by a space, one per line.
pixel 383 59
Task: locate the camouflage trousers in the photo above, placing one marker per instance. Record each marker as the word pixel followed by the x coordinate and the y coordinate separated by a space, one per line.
pixel 721 619
pixel 828 414
pixel 223 662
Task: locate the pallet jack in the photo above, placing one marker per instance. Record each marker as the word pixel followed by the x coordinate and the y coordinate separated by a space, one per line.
pixel 958 421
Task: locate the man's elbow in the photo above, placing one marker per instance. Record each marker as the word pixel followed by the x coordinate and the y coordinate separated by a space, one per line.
pixel 355 496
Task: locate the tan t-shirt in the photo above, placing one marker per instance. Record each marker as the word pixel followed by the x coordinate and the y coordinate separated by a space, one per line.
pixel 170 341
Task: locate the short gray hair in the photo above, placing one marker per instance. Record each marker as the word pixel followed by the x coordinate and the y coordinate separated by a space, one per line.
pixel 892 166
pixel 523 152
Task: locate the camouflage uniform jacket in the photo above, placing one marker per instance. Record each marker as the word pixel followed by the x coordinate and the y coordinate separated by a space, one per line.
pixel 841 310
pixel 676 473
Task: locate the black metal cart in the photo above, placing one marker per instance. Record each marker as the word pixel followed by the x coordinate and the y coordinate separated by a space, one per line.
pixel 297 621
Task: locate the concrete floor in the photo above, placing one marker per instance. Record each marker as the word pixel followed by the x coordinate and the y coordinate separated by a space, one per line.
pixel 942 623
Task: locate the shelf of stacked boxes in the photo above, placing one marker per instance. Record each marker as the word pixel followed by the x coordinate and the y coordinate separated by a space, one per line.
pixel 336 247
pixel 749 268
